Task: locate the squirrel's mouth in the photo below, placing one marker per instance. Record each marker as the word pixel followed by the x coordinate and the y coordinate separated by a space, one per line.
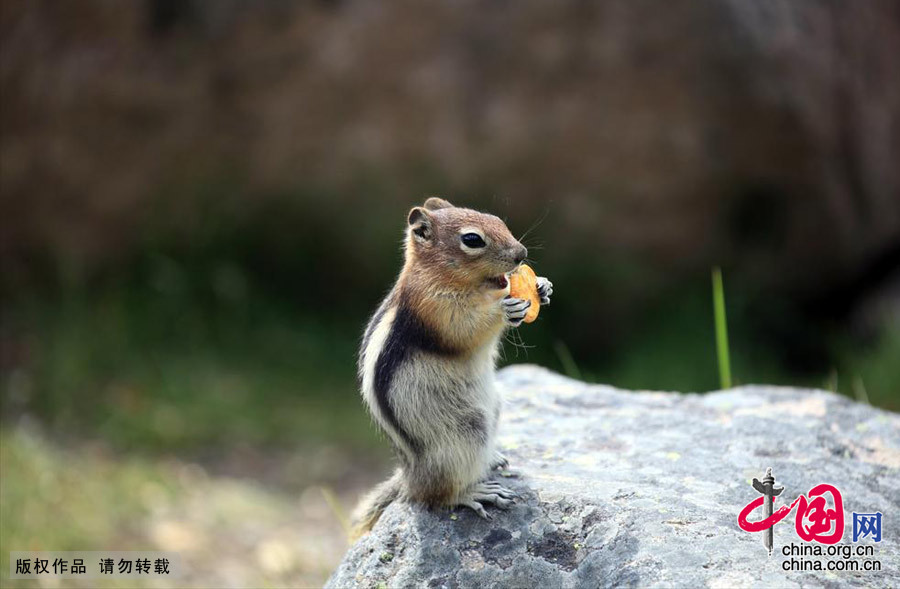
pixel 499 282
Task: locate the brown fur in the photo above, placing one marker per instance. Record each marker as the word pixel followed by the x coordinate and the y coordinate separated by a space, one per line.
pixel 447 286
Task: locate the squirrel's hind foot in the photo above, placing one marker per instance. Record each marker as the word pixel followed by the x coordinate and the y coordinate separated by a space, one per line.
pixel 496 488
pixel 488 493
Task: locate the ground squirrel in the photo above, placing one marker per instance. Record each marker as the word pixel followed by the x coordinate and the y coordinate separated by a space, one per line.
pixel 426 364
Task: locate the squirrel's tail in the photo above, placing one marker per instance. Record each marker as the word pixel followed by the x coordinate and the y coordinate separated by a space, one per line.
pixel 373 505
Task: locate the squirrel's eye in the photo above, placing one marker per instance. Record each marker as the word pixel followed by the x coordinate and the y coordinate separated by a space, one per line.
pixel 472 240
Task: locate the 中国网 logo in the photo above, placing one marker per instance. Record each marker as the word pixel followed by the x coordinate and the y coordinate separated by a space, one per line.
pixel 819 515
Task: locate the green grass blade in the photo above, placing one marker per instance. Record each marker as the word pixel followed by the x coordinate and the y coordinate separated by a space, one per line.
pixel 570 368
pixel 336 508
pixel 721 329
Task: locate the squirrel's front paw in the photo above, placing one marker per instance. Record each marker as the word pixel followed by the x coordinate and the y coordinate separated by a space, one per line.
pixel 515 310
pixel 545 289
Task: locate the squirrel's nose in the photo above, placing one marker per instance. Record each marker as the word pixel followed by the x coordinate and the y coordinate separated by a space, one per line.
pixel 521 254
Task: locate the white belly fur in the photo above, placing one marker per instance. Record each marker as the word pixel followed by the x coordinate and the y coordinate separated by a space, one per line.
pixel 437 392
pixel 429 394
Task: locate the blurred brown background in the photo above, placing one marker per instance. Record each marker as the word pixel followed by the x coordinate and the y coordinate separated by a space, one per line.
pixel 202 201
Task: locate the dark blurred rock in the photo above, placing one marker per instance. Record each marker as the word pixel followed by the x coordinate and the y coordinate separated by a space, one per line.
pixel 643 489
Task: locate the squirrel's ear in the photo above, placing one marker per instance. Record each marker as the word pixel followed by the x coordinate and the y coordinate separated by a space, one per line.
pixel 421 224
pixel 434 203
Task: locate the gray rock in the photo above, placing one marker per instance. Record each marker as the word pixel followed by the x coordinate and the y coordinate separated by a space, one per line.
pixel 644 489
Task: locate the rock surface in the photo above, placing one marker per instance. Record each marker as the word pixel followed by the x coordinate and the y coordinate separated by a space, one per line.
pixel 644 489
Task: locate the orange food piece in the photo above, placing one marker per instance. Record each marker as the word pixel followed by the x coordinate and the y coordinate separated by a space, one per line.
pixel 523 285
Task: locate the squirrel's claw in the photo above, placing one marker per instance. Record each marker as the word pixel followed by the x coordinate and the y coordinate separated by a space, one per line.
pixel 545 289
pixel 515 310
pixel 495 499
pixel 475 506
pixel 497 489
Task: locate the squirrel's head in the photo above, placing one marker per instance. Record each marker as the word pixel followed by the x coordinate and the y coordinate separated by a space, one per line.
pixel 465 247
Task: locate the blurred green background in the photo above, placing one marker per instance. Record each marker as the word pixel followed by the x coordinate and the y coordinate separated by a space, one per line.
pixel 203 201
